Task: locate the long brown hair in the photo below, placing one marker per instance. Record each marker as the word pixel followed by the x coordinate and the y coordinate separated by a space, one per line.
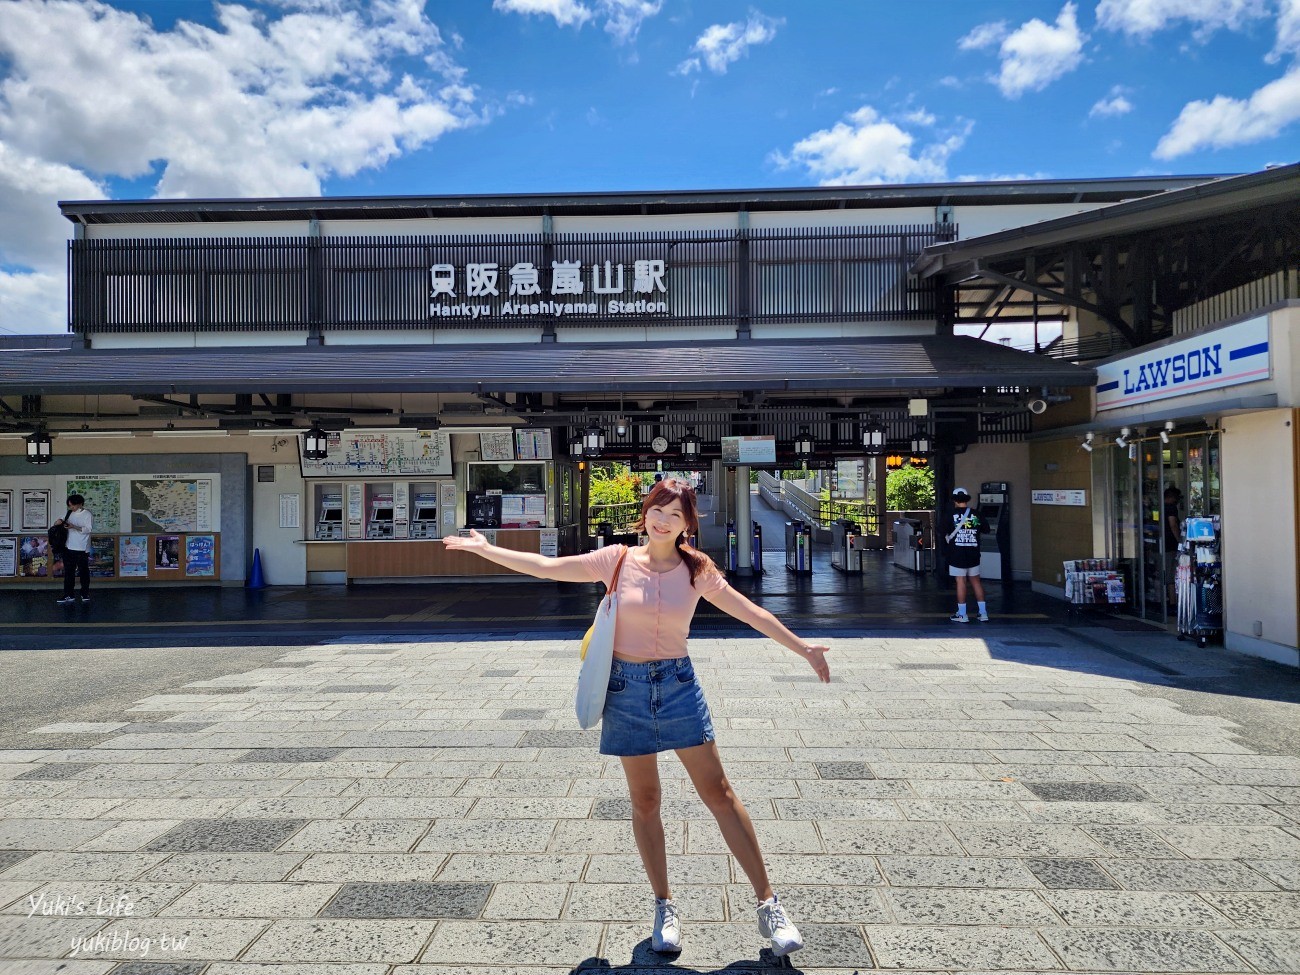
pixel 664 493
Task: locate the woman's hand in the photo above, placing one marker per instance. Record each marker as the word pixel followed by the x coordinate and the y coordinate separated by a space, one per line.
pixel 461 543
pixel 815 654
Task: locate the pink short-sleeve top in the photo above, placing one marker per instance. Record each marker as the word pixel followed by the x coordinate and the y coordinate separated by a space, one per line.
pixel 654 608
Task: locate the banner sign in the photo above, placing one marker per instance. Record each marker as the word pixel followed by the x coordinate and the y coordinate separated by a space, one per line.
pixel 1071 499
pixel 1223 357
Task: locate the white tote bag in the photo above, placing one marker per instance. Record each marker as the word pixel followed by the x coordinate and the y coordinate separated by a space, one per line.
pixel 597 656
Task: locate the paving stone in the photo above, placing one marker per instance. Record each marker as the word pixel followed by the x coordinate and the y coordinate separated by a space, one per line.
pixel 1060 874
pixel 634 902
pixel 54 771
pixel 961 872
pixel 357 689
pixel 824 903
pixel 523 714
pixel 1204 875
pixel 1259 910
pixel 1268 951
pixel 962 811
pixel 526 902
pixel 408 900
pixel 1061 706
pixel 341 940
pixel 41 937
pixel 105 900
pixel 159 968
pixel 356 836
pixel 877 838
pixel 1112 908
pixel 713 947
pixel 488 836
pixel 987 948
pixel 1085 792
pixel 1133 842
pixel 560 739
pixel 226 836
pixel 941 906
pixel 1147 950
pixel 696 869
pixel 369 867
pixel 290 755
pixel 520 942
pixel 251 900
pixel 925 666
pixel 188 938
pixel 844 770
pixel 1232 843
pixel 155 727
pixel 83 866
pixel 9 857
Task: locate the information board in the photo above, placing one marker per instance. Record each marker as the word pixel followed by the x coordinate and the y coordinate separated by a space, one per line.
pixel 383 453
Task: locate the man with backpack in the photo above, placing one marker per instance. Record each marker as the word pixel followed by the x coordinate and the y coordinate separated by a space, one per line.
pixel 76 555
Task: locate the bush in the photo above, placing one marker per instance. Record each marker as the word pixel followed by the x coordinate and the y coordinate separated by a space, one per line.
pixel 910 489
pixel 614 484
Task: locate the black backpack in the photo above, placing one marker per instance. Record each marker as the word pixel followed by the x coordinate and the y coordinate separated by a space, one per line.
pixel 58 538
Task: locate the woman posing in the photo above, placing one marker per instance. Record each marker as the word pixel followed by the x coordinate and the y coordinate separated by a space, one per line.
pixel 654 702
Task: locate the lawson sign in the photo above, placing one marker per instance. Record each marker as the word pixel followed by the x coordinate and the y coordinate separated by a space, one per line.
pixel 1224 357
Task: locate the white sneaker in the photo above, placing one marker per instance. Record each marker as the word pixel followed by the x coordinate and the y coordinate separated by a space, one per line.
pixel 773 923
pixel 984 617
pixel 959 618
pixel 66 601
pixel 667 934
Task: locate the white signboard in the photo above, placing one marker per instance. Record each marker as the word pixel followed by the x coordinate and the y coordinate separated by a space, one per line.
pixel 1070 499
pixel 1223 357
pixel 575 290
pixel 749 450
pixel 550 542
pixel 382 453
pixel 290 511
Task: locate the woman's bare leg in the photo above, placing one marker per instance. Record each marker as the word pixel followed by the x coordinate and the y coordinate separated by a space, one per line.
pixel 642 772
pixel 704 766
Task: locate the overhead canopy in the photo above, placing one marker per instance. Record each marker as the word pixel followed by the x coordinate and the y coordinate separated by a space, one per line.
pixel 884 365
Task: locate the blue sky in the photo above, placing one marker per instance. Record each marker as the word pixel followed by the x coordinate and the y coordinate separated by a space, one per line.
pixel 334 97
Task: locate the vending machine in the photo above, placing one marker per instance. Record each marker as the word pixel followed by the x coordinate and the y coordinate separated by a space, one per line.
pixel 329 518
pixel 381 520
pixel 995 535
pixel 424 516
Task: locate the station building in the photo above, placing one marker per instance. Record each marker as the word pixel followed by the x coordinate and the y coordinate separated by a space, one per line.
pixel 461 361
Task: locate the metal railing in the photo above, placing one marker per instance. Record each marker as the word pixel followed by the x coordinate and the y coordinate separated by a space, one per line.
pixel 620 516
pixel 818 511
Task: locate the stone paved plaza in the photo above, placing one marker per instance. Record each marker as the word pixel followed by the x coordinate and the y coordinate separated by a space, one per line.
pixel 1015 800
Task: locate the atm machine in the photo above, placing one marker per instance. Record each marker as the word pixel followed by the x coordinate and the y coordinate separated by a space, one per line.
pixel 995 539
pixel 380 524
pixel 329 519
pixel 424 516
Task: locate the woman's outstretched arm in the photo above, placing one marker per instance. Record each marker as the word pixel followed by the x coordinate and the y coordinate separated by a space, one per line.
pixel 734 604
pixel 570 568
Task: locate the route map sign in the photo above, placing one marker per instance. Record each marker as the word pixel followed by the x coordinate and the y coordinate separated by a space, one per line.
pixel 103 500
pixel 382 453
pixel 173 503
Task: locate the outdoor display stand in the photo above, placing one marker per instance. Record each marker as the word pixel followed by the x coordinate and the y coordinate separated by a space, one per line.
pixel 1198 578
pixel 1094 582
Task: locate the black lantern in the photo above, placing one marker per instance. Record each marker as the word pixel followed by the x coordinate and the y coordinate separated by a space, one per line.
pixel 873 439
pixel 39 448
pixel 575 447
pixel 921 443
pixel 690 445
pixel 593 441
pixel 803 444
pixel 315 443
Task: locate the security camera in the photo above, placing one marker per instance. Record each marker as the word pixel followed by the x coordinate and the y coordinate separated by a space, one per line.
pixel 1087 441
pixel 1037 406
pixel 1164 434
pixel 1122 440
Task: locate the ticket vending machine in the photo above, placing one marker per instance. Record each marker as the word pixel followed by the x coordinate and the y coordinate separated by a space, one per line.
pixel 329 518
pixel 381 520
pixel 995 539
pixel 424 516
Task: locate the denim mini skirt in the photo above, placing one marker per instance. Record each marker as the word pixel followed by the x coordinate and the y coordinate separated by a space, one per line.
pixel 652 707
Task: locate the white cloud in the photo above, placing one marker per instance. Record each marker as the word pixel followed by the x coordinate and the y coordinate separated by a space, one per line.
pixel 1142 18
pixel 623 18
pixel 1288 31
pixel 1112 105
pixel 259 105
pixel 723 44
pixel 869 149
pixel 33 303
pixel 1224 121
pixel 1036 54
pixel 985 35
pixel 567 13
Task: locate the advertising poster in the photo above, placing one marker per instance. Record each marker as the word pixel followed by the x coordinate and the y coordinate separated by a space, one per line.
pixel 134 556
pixel 36 510
pixel 167 552
pixel 34 560
pixel 8 557
pixel 102 563
pixel 6 511
pixel 199 552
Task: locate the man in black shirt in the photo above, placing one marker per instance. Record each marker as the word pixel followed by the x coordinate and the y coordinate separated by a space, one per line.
pixel 964 555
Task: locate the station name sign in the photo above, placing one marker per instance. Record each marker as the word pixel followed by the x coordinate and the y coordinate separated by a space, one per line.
pixel 1223 357
pixel 490 290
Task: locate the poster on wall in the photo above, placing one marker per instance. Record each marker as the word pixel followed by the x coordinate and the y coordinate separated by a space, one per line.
pixel 496 445
pixel 167 552
pixel 133 561
pixel 362 453
pixel 174 503
pixel 103 500
pixel 36 510
pixel 8 557
pixel 103 565
pixel 533 444
pixel 749 450
pixel 34 559
pixel 6 512
pixel 199 552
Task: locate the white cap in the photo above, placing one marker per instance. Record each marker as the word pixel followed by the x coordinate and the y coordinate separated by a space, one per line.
pixel 960 490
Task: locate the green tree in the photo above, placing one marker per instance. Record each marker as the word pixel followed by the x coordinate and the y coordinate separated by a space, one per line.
pixel 910 489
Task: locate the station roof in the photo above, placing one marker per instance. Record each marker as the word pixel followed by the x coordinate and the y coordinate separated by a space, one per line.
pixel 888 364
pixel 1092 191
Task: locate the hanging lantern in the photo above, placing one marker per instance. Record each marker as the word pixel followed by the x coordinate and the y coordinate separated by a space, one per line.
pixel 39 448
pixel 803 444
pixel 690 445
pixel 575 447
pixel 315 443
pixel 593 441
pixel 921 443
pixel 893 462
pixel 873 439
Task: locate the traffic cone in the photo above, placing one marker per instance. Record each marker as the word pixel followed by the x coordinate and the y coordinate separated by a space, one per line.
pixel 255 580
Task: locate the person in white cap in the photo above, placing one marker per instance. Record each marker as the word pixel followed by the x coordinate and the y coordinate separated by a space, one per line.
pixel 964 555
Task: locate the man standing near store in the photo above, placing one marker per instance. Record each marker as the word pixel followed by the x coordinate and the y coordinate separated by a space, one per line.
pixel 964 555
pixel 76 555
